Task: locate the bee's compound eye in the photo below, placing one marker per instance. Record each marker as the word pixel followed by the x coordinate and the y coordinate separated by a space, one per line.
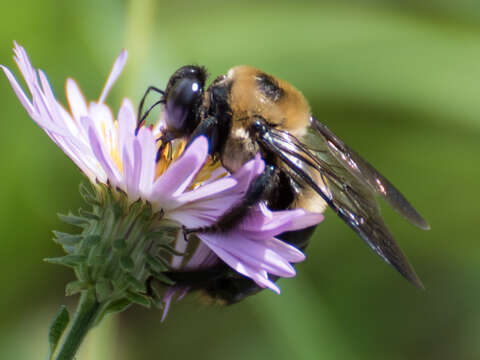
pixel 181 103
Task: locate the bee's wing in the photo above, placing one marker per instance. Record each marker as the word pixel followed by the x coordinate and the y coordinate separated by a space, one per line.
pixel 347 191
pixel 366 173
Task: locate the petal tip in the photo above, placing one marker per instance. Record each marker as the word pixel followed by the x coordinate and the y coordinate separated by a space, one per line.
pixel 123 55
pixel 272 286
pixel 199 146
pixel 5 69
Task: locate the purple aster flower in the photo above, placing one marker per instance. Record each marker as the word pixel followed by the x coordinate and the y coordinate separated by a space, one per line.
pixel 141 200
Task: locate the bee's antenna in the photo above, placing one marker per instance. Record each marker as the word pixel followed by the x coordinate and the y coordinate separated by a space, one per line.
pixel 140 118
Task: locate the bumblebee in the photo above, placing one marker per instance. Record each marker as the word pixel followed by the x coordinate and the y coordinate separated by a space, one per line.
pixel 247 111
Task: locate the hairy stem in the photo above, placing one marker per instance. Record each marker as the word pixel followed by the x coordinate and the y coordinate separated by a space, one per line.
pixel 87 312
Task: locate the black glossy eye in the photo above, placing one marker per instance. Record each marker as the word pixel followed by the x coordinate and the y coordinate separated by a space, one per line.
pixel 180 105
pixel 183 97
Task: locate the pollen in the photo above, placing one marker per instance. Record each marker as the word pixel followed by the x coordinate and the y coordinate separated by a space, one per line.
pixel 207 172
pixel 170 152
pixel 113 147
pixel 173 150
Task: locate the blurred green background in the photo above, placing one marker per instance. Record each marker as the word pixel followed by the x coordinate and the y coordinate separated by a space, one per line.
pixel 399 83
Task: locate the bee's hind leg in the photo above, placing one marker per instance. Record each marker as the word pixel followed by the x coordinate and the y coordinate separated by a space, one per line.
pixel 259 190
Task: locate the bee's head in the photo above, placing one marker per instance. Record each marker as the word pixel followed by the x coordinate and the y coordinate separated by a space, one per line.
pixel 183 96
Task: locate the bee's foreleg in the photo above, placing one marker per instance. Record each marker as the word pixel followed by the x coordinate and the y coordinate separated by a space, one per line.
pixel 213 130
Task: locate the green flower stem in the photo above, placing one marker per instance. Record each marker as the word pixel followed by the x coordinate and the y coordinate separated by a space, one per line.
pixel 86 315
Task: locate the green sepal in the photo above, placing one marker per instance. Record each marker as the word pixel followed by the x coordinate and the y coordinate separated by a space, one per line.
pixel 67 260
pixel 161 237
pixel 118 210
pixel 165 263
pixel 127 263
pixel 156 296
pixel 118 306
pixel 113 307
pixel 103 290
pixel 135 206
pixel 66 239
pixel 119 244
pixel 163 278
pixel 158 303
pixel 73 220
pixel 147 211
pixel 57 328
pixel 135 284
pixel 88 215
pixel 95 259
pixel 95 254
pixel 171 250
pixel 138 298
pixel 85 190
pixel 92 240
pixel 155 264
pixel 69 249
pixel 88 194
pixel 74 287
